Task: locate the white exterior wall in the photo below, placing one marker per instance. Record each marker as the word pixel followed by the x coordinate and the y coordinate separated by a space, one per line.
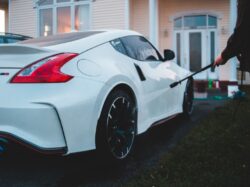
pixel 106 14
pixel 22 17
pixel 109 14
pixel 171 8
pixel 139 16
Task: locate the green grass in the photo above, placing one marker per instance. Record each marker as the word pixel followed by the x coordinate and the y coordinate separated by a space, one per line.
pixel 215 153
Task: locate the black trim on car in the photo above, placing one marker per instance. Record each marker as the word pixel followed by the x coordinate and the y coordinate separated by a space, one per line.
pixel 58 116
pixel 163 120
pixel 48 151
pixel 140 73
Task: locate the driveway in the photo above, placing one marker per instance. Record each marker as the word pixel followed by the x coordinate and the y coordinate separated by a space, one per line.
pixel 24 168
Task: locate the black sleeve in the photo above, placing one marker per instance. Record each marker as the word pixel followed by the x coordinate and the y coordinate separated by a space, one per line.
pixel 234 44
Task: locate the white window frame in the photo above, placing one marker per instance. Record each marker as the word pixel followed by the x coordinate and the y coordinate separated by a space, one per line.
pixel 54 6
pixel 200 27
pixel 207 29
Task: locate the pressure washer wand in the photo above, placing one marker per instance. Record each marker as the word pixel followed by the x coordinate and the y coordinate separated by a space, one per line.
pixel 190 76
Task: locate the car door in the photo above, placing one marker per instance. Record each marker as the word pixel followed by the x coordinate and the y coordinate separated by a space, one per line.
pixel 156 76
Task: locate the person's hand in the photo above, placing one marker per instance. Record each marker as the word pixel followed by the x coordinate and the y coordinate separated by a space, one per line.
pixel 219 61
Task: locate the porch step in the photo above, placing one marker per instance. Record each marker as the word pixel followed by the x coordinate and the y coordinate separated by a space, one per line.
pixel 203 85
pixel 215 92
pixel 210 93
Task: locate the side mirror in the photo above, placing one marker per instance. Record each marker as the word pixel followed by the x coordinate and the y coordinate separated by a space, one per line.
pixel 168 55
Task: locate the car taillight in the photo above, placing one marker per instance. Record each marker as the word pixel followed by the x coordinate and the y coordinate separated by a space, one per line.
pixel 46 70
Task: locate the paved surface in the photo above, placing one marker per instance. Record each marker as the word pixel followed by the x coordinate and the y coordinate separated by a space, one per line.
pixel 23 168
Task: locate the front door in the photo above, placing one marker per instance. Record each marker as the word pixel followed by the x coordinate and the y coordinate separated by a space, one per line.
pixel 196 49
pixel 195 41
pixel 194 52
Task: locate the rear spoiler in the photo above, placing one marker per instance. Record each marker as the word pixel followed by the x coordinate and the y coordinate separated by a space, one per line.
pixel 21 49
pixel 19 55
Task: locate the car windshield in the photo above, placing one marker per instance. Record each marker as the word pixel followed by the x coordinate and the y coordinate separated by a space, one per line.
pixel 59 38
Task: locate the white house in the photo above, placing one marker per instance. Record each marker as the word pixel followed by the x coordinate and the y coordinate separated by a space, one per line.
pixel 196 30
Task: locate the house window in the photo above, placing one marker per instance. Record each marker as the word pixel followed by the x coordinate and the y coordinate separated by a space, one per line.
pixel 178 48
pixel 61 16
pixel 63 19
pixel 82 17
pixel 195 22
pixel 45 20
pixel 62 1
pixel 212 21
pixel 45 2
pixel 178 23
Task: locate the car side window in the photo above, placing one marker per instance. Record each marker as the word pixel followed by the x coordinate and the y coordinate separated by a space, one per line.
pixel 139 48
pixel 12 40
pixel 118 45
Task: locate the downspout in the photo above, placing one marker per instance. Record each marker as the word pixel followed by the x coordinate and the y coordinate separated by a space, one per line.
pixel 154 22
pixel 9 17
pixel 127 14
pixel 233 18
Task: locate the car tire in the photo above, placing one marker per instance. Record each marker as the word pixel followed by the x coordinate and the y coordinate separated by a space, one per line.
pixel 117 127
pixel 188 99
pixel 3 147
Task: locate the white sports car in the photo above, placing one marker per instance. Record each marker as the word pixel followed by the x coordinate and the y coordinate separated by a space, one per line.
pixel 90 90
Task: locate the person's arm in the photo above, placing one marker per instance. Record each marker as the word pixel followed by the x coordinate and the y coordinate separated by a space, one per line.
pixel 234 43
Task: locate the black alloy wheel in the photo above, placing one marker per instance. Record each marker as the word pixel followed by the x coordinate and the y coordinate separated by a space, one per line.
pixel 117 126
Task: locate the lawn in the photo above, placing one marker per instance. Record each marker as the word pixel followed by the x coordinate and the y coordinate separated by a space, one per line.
pixel 215 153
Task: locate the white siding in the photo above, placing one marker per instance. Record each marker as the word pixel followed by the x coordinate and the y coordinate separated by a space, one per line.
pixel 108 14
pixel 105 14
pixel 139 16
pixel 22 17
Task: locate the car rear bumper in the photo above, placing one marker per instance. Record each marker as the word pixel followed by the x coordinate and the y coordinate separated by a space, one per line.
pixel 36 126
pixel 52 116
